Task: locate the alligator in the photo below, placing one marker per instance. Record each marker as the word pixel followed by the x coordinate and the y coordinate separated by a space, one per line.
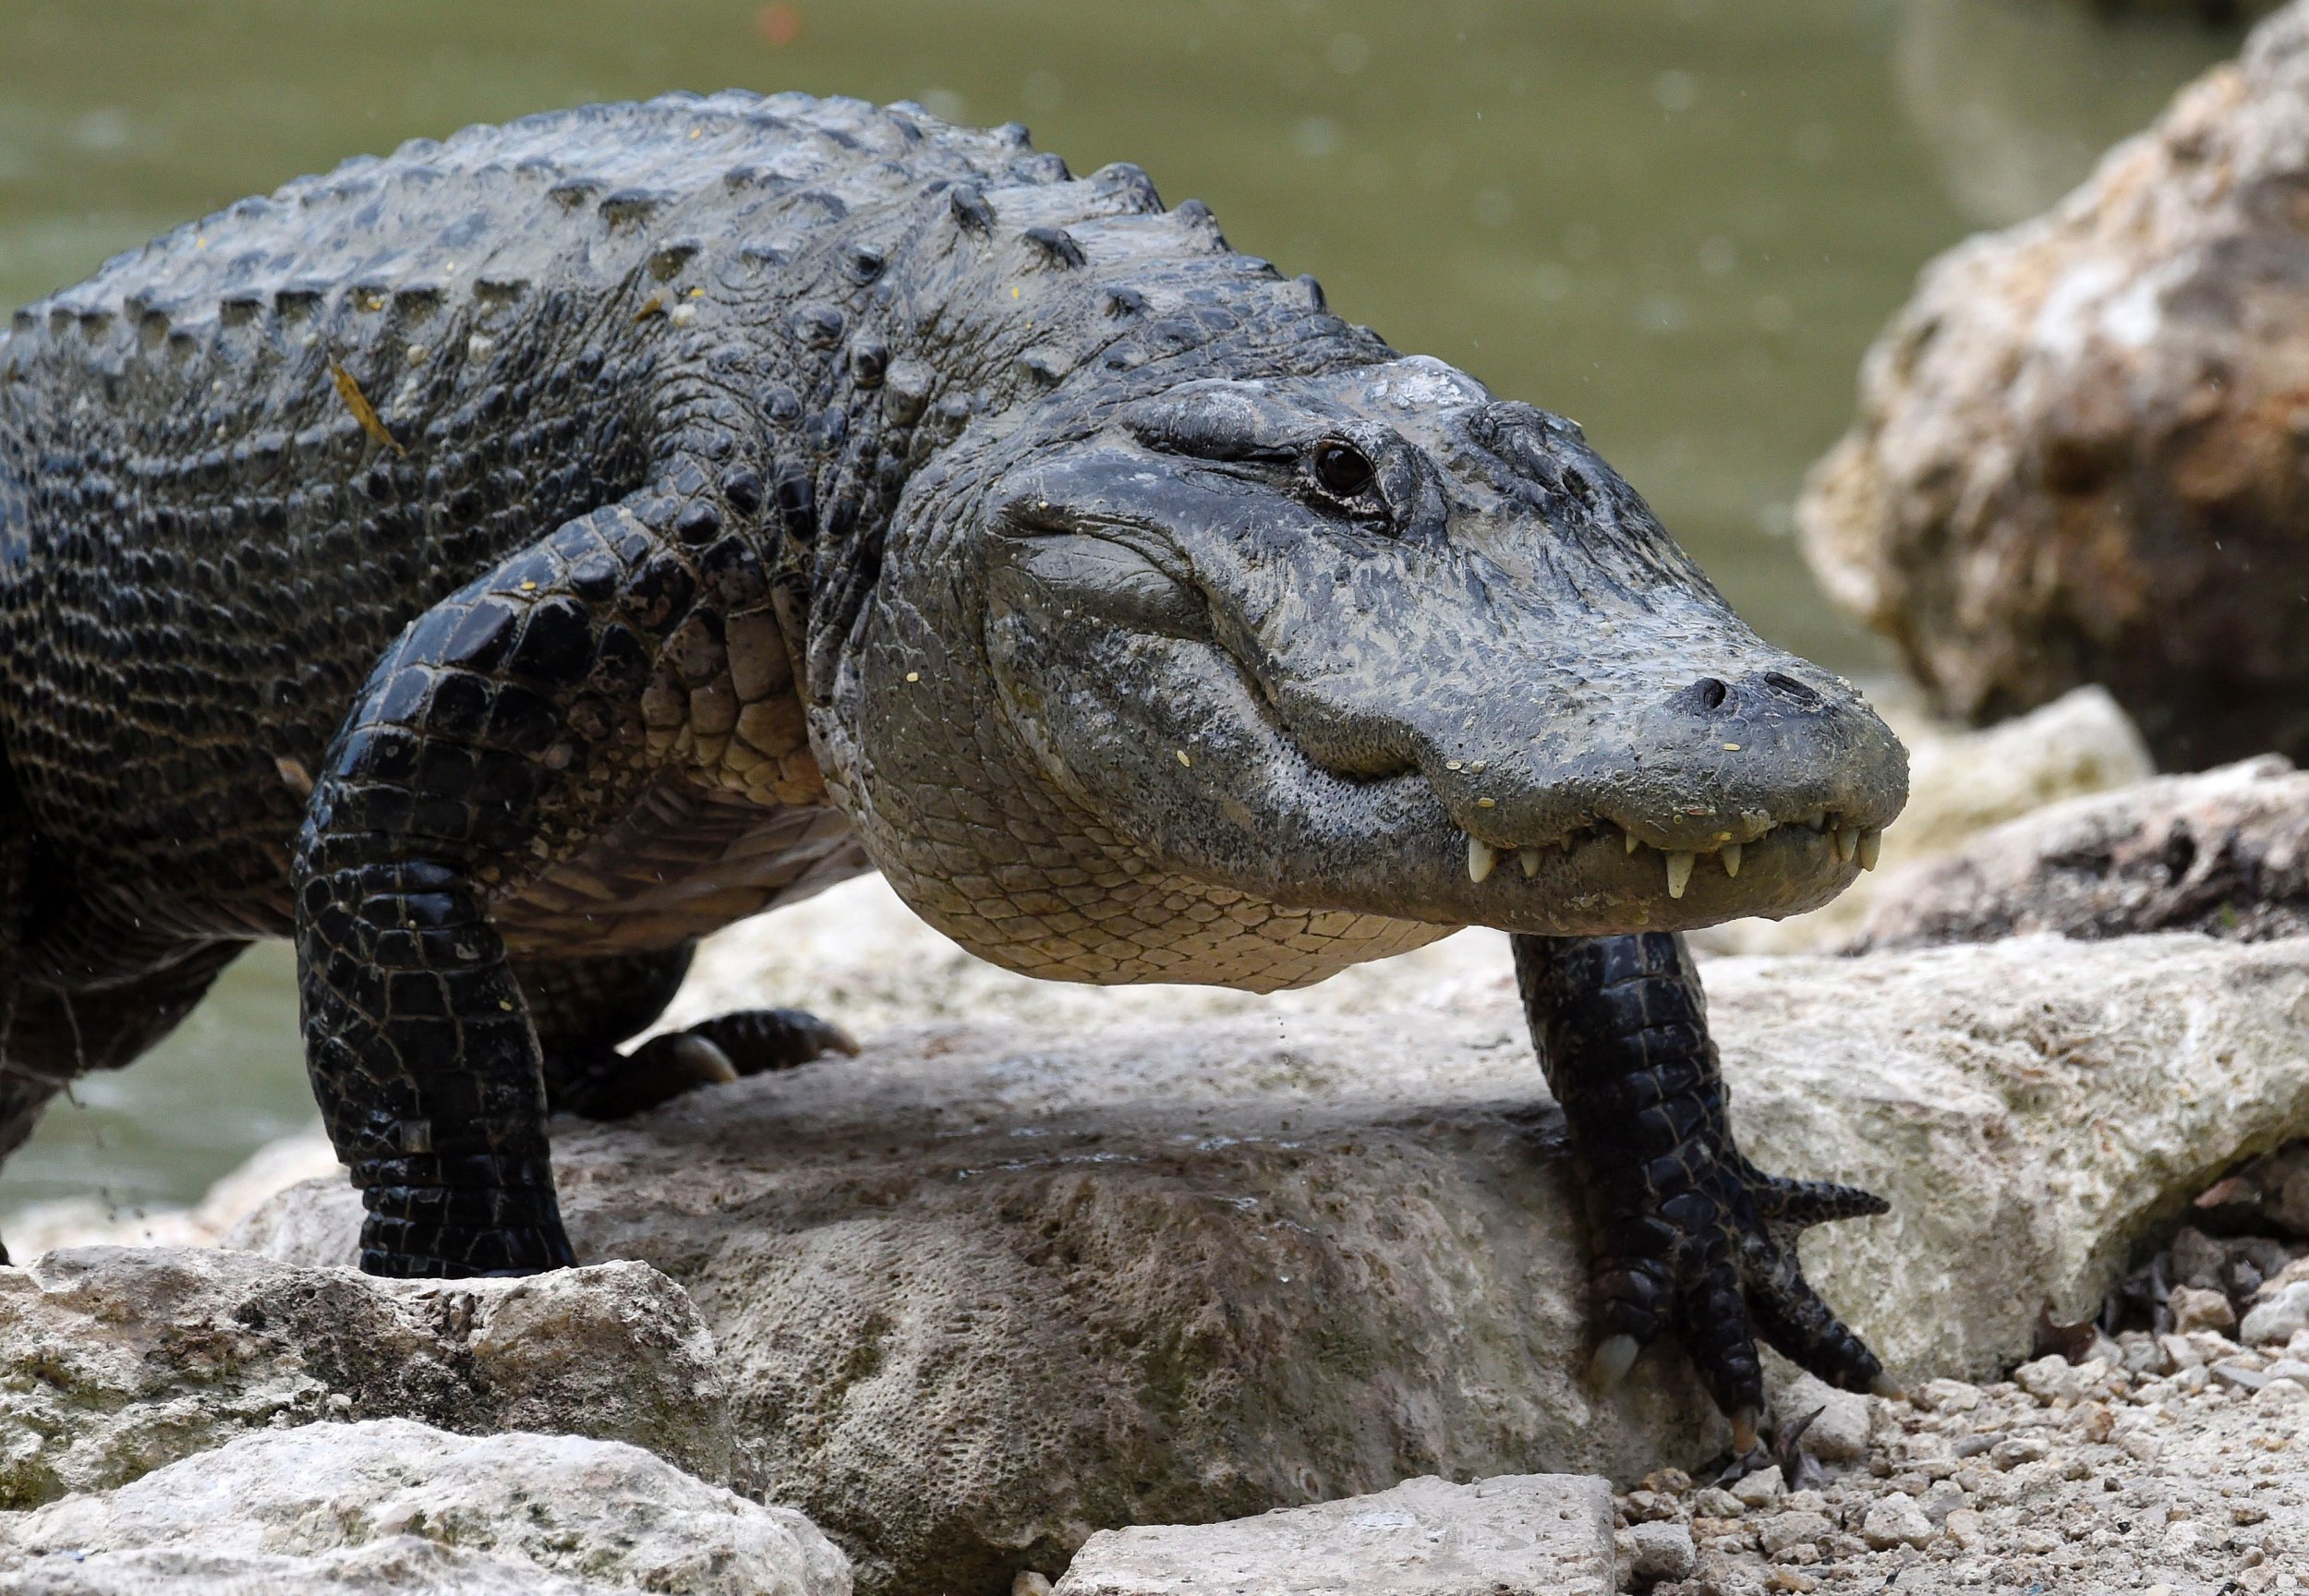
pixel 495 565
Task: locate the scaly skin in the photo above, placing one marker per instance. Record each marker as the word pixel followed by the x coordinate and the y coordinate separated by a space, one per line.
pixel 497 565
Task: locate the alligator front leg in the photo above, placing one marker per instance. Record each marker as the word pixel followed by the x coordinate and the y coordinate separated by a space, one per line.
pixel 504 727
pixel 1685 1233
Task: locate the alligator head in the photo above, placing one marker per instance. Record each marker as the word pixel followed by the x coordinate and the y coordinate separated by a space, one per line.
pixel 1247 680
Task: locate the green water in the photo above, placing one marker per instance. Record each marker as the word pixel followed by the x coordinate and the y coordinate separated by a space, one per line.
pixel 1678 221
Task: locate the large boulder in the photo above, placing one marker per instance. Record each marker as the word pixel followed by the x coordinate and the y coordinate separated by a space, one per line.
pixel 2081 452
pixel 389 1505
pixel 2225 853
pixel 999 1283
pixel 114 1362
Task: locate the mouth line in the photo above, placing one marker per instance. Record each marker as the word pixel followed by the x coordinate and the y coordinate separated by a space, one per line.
pixel 1852 843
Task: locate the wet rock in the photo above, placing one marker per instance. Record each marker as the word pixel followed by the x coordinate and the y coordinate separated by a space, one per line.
pixel 995 1286
pixel 1528 1535
pixel 118 1361
pixel 393 1505
pixel 2225 853
pixel 2079 448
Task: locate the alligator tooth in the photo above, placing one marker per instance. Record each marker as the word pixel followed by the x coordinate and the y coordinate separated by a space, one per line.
pixel 1847 843
pixel 1480 858
pixel 1679 873
pixel 1871 844
pixel 1730 858
pixel 1530 858
pixel 1632 843
pixel 1817 820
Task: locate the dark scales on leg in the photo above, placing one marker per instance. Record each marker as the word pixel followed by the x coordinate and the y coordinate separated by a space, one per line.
pixel 1687 1234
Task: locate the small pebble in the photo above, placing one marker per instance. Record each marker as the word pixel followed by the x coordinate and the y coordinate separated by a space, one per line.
pixel 1760 1488
pixel 1783 1532
pixel 1950 1396
pixel 2196 1308
pixel 1660 1551
pixel 1896 1520
pixel 2019 1449
pixel 1717 1502
pixel 2050 1378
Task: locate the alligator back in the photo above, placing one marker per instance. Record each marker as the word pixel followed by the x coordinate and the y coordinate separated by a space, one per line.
pixel 235 463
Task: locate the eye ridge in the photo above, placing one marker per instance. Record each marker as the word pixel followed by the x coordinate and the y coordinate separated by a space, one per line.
pixel 1341 468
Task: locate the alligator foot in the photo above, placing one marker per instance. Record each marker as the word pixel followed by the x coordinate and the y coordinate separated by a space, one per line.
pixel 1686 1234
pixel 746 1042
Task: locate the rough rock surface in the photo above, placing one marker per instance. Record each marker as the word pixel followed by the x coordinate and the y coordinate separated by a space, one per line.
pixel 1520 1535
pixel 2080 447
pixel 114 1362
pixel 389 1504
pixel 999 1284
pixel 2225 853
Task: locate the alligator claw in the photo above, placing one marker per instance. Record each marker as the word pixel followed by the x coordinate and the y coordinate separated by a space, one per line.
pixel 1612 1360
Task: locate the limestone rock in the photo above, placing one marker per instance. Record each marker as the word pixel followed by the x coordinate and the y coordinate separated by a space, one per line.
pixel 1897 1521
pixel 116 1361
pixel 392 1505
pixel 1660 1551
pixel 2225 853
pixel 2280 1318
pixel 2080 447
pixel 995 1286
pixel 1529 1535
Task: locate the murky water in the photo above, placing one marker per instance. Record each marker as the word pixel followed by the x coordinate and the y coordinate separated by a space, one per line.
pixel 1678 221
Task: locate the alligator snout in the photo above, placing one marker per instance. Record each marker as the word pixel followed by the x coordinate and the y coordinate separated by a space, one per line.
pixel 1774 766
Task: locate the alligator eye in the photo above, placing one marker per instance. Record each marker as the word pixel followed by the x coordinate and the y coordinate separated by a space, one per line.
pixel 1342 468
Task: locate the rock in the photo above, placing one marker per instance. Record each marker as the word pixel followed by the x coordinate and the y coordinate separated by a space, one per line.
pixel 1798 1528
pixel 2279 1318
pixel 2049 1379
pixel 2225 853
pixel 1896 1521
pixel 1961 783
pixel 2195 1310
pixel 1840 1431
pixel 1760 1488
pixel 995 1286
pixel 2078 453
pixel 389 1504
pixel 1662 1552
pixel 116 1361
pixel 1520 1535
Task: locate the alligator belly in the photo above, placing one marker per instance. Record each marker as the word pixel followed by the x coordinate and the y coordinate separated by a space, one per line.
pixel 685 862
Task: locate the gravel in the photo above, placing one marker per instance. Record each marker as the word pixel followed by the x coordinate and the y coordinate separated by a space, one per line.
pixel 2071 1477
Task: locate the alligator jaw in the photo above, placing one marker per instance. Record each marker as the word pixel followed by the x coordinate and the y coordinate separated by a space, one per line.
pixel 1602 875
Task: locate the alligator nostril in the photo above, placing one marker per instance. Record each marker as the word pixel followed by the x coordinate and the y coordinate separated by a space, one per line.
pixel 1710 693
pixel 1789 687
